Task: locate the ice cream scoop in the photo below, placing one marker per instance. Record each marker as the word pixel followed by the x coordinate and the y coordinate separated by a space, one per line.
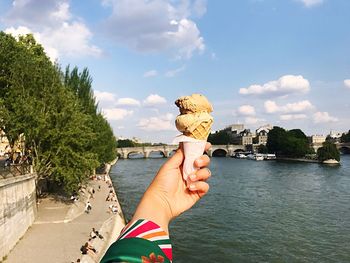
pixel 195 124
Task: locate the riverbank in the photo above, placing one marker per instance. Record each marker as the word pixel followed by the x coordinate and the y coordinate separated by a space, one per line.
pixel 287 159
pixel 61 228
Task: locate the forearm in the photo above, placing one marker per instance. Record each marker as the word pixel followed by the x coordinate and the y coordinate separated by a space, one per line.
pixel 154 208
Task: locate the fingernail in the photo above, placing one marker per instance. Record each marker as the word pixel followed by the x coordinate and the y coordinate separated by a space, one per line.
pixel 192 187
pixel 193 177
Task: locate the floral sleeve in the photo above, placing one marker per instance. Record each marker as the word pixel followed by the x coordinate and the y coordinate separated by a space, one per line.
pixel 142 241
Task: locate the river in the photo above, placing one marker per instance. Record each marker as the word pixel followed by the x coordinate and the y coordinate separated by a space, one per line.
pixel 265 211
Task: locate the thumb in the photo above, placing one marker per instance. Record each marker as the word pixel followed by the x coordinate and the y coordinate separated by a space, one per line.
pixel 176 160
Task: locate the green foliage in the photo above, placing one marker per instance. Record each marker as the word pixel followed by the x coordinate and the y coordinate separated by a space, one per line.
pixel 56 113
pixel 103 143
pixel 328 151
pixel 345 137
pixel 262 149
pixel 126 143
pixel 291 143
pixel 219 138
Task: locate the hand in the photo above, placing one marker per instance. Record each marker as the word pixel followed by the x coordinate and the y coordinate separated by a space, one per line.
pixel 168 195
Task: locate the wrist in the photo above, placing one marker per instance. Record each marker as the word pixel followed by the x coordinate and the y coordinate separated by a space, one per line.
pixel 154 208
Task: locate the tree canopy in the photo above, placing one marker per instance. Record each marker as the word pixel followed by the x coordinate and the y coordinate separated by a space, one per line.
pixel 345 137
pixel 292 143
pixel 54 110
pixel 328 151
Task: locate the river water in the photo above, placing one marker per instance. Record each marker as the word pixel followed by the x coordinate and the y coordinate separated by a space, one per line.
pixel 265 211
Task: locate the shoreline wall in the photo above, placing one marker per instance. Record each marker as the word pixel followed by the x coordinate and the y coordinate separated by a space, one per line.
pixel 17 210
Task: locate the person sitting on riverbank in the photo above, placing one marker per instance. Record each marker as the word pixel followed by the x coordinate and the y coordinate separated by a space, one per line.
pixel 110 196
pixel 94 233
pixel 85 249
pixel 113 209
pixel 146 237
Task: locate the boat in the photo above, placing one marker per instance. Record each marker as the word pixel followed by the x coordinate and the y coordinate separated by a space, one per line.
pixel 256 157
pixel 270 156
pixel 240 156
pixel 259 157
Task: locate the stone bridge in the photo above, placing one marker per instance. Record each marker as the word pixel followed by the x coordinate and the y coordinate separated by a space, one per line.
pixel 167 150
pixel 343 147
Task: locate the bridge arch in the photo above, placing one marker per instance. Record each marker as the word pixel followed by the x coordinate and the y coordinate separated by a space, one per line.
pixel 153 154
pixel 219 152
pixel 345 149
pixel 135 155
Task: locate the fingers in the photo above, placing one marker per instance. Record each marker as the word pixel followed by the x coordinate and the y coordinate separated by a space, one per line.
pixel 201 187
pixel 176 160
pixel 201 175
pixel 207 146
pixel 202 161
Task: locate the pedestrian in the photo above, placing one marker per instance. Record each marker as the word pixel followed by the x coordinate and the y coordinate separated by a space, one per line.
pixel 88 207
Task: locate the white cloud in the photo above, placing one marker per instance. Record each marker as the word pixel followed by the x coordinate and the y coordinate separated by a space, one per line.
pixel 246 110
pixel 154 99
pixel 53 26
pixel 103 96
pixel 115 114
pixel 199 7
pixel 285 85
pixel 151 73
pixel 288 117
pixel 301 106
pixel 347 83
pixel 174 72
pixel 252 120
pixel 323 117
pixel 128 102
pixel 156 25
pixel 311 3
pixel 160 123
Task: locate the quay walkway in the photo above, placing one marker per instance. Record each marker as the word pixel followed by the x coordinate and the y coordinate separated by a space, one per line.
pixel 60 230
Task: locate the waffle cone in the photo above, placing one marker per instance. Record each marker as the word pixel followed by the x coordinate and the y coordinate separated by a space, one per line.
pixel 201 132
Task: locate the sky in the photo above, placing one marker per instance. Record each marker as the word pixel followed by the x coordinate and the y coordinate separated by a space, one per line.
pixel 279 62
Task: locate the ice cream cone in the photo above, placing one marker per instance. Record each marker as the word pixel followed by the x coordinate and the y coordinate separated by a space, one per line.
pixel 195 123
pixel 192 151
pixel 201 132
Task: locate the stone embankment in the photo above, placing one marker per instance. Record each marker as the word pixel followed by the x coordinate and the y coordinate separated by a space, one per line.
pixel 61 228
pixel 17 210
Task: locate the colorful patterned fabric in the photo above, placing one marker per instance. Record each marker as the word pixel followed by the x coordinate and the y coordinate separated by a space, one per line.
pixel 142 241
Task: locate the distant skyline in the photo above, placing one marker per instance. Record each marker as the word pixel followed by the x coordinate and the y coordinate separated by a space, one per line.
pixel 286 63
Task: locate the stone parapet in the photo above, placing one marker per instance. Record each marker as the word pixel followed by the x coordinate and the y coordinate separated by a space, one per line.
pixel 17 209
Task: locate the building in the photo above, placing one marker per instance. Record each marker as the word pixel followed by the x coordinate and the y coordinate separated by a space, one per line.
pixel 235 128
pixel 261 137
pixel 265 128
pixel 317 139
pixel 245 137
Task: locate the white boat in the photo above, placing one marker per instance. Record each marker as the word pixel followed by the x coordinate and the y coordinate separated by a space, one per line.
pixel 240 156
pixel 270 156
pixel 256 157
pixel 259 157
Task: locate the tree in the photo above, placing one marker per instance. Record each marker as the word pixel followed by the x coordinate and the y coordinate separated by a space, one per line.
pixel 126 143
pixel 262 149
pixel 328 151
pixel 293 143
pixel 103 144
pixel 345 137
pixel 66 135
pixel 219 138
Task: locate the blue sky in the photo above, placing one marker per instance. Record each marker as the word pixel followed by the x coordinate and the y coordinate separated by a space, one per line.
pixel 283 62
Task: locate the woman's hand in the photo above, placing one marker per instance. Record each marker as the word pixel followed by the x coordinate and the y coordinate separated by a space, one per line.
pixel 168 195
